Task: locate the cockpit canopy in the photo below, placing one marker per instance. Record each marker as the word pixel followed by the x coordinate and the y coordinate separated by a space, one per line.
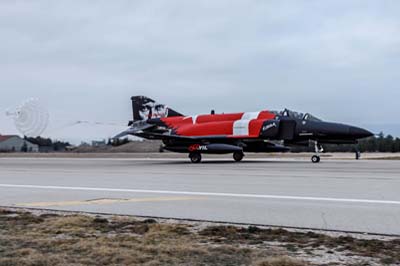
pixel 299 116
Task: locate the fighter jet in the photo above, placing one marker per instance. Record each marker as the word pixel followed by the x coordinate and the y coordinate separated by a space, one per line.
pixel 236 133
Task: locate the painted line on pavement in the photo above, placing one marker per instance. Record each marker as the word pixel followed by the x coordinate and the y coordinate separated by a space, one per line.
pixel 104 201
pixel 211 194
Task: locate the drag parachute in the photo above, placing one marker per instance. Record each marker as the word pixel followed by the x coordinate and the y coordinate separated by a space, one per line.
pixel 31 118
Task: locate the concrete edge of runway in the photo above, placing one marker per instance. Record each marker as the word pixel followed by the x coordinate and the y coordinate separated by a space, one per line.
pixel 169 155
pixel 172 220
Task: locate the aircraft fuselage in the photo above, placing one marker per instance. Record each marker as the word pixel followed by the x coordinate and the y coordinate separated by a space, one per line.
pixel 263 131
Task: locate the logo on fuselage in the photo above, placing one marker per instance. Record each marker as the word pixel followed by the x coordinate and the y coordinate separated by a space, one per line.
pixel 197 147
pixel 267 127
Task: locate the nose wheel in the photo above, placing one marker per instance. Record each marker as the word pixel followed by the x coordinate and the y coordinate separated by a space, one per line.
pixel 318 149
pixel 315 159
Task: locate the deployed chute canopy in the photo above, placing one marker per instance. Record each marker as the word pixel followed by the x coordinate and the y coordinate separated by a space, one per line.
pixel 30 118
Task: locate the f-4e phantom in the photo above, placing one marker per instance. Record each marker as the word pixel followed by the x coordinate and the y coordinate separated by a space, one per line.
pixel 236 133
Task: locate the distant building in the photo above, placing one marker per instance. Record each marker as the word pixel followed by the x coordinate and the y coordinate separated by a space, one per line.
pixel 11 143
pixel 99 143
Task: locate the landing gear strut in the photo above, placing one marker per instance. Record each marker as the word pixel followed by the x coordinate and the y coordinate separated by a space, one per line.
pixel 195 157
pixel 358 155
pixel 318 149
pixel 238 156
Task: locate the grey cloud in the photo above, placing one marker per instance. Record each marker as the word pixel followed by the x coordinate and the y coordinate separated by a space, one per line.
pixel 338 59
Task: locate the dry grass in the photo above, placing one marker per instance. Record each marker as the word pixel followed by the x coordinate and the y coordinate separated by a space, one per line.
pixel 387 251
pixel 281 261
pixel 28 239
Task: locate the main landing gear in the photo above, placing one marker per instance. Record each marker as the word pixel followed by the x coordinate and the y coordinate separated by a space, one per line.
pixel 238 156
pixel 318 149
pixel 195 157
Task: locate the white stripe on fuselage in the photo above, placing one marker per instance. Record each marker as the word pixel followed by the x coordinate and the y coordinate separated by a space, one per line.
pixel 194 118
pixel 241 127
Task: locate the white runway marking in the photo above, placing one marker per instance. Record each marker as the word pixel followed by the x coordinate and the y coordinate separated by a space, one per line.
pixel 211 194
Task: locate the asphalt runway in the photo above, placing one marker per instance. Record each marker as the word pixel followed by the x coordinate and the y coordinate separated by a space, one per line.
pixel 348 195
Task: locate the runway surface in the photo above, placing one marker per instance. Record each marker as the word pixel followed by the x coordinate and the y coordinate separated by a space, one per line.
pixel 345 195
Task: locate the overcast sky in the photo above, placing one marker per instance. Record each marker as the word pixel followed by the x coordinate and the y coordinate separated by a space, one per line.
pixel 339 59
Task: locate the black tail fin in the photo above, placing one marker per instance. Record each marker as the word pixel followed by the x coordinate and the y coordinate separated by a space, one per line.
pixel 145 108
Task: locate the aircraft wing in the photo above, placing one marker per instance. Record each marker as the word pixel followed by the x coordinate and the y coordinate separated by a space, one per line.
pixel 251 143
pixel 149 131
pixel 152 135
pixel 137 127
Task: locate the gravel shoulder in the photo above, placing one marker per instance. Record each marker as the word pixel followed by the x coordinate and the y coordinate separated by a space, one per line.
pixel 36 237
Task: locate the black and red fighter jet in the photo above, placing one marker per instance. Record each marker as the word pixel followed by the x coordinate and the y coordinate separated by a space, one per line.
pixel 236 133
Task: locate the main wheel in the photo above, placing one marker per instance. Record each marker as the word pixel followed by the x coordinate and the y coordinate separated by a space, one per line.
pixel 238 156
pixel 195 157
pixel 315 159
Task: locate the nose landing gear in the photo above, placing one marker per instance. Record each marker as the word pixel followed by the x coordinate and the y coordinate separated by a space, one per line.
pixel 358 155
pixel 318 149
pixel 315 159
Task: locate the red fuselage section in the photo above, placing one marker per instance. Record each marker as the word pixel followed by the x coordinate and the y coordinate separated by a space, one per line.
pixel 235 125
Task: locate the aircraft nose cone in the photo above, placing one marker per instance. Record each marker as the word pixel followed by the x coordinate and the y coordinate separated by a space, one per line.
pixel 359 133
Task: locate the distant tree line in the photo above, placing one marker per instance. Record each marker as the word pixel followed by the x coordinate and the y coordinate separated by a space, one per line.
pixel 46 144
pixel 380 143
